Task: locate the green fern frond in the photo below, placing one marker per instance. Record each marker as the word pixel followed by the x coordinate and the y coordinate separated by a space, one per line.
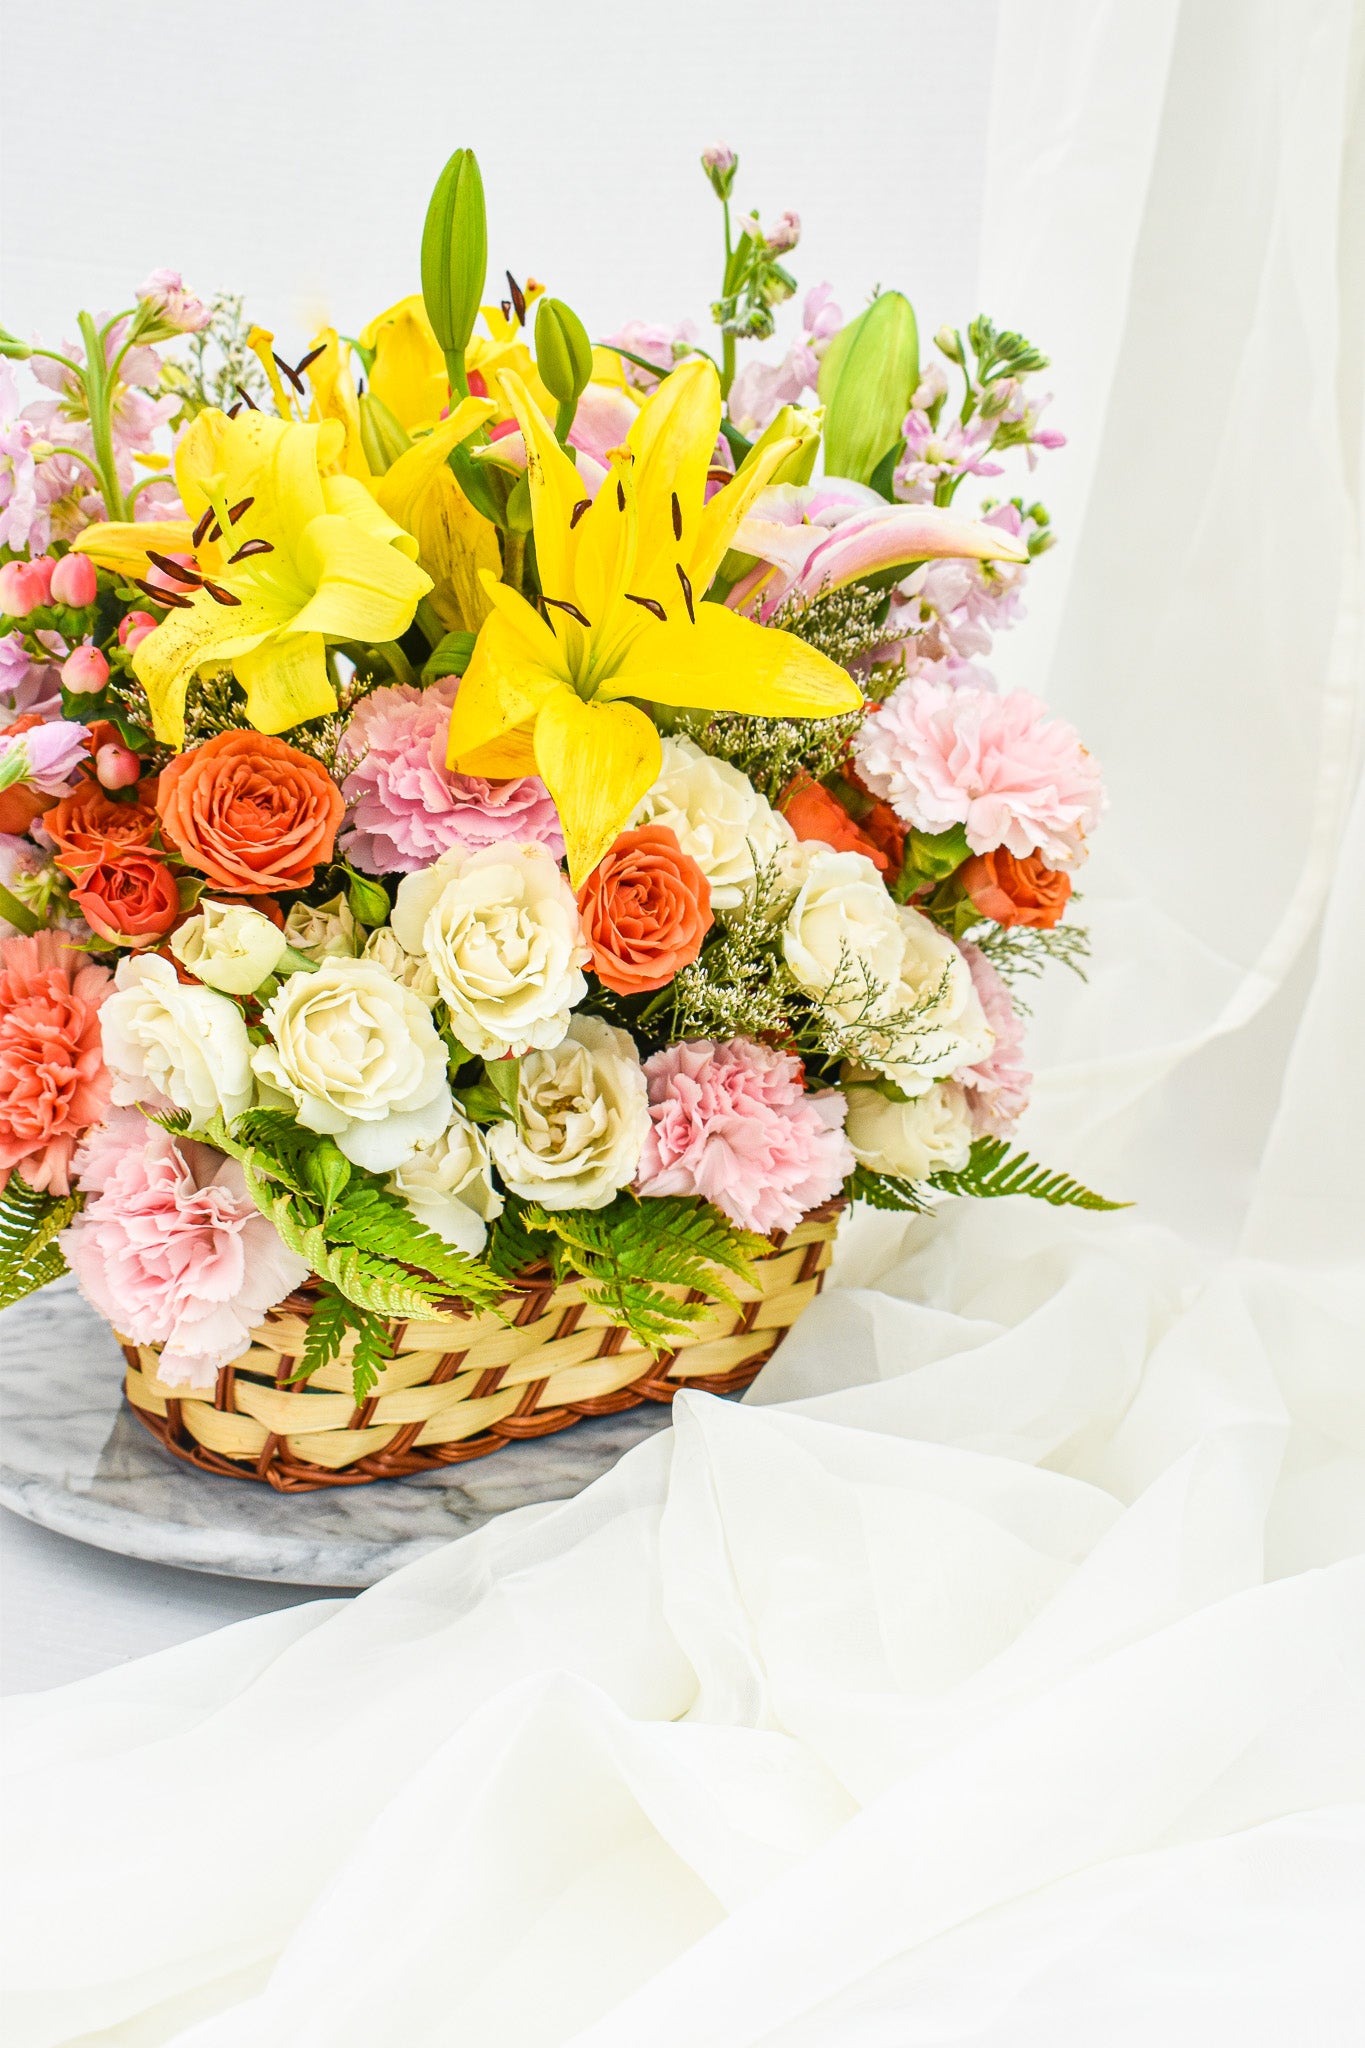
pixel 327 1326
pixel 375 1221
pixel 370 1282
pixel 887 1191
pixel 994 1169
pixel 657 1320
pixel 29 1221
pixel 373 1350
pixel 512 1244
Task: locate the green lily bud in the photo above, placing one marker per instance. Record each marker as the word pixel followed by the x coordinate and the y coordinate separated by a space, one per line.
pixel 382 437
pixel 868 377
pixel 563 358
pixel 455 260
pixel 367 899
pixel 799 423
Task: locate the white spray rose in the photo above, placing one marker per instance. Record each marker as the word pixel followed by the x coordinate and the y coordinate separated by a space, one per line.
pixel 324 931
pixel 928 1134
pixel 229 946
pixel 718 817
pixel 582 1115
pixel 360 1059
pixel 448 1186
pixel 163 1038
pixel 501 932
pixel 948 1029
pixel 387 951
pixel 842 939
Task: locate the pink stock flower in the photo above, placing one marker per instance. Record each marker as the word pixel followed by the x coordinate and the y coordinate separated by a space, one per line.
pixel 785 233
pixel 661 345
pixel 761 390
pixel 32 479
pixel 998 1085
pixel 26 685
pixel 953 609
pixel 732 1123
pixel 934 455
pixel 45 755
pixel 998 766
pixel 135 416
pixel 53 1080
pixel 176 309
pixel 19 858
pixel 408 808
pixel 172 1250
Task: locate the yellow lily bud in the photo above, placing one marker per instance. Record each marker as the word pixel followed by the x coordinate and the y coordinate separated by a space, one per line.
pixel 799 424
pixel 381 436
pixel 868 377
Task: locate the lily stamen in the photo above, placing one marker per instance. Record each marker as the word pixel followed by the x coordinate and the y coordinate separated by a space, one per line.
pixel 251 547
pixel 562 604
pixel 170 567
pixel 686 583
pixel 650 604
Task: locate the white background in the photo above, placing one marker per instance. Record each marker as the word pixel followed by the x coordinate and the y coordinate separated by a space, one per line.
pixel 285 149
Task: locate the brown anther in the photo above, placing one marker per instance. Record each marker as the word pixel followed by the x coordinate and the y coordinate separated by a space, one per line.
pixel 518 298
pixel 215 531
pixel 219 595
pixel 235 511
pixel 649 604
pixel 562 604
pixel 685 581
pixel 233 410
pixel 506 305
pixel 677 518
pixel 583 505
pixel 246 398
pixel 170 567
pixel 174 600
pixel 252 547
pixel 205 521
pixel 620 495
pixel 311 356
pixel 291 373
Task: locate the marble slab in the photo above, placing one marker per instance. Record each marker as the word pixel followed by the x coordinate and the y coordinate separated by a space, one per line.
pixel 75 1459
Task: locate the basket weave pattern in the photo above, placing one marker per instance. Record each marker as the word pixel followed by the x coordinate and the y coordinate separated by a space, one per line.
pixel 559 1359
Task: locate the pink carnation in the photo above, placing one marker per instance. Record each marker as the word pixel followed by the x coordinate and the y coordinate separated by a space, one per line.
pixel 998 766
pixel 172 1250
pixel 407 808
pixel 732 1123
pixel 998 1085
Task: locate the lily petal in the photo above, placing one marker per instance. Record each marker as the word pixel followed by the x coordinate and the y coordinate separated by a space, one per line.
pixel 286 681
pixel 874 541
pixel 122 545
pixel 597 760
pixel 207 634
pixel 726 663
pixel 408 373
pixel 503 687
pixel 362 590
pixel 673 439
pixel 334 397
pixel 556 489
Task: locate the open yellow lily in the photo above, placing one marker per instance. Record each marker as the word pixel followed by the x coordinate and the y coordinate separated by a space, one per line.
pixel 455 544
pixel 623 577
pixel 288 557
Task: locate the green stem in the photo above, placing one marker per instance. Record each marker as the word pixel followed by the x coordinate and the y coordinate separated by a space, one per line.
pixel 53 357
pixel 18 914
pixel 455 371
pixel 429 621
pixel 159 476
pixel 727 373
pixel 97 394
pixel 393 654
pixel 514 560
pixel 76 454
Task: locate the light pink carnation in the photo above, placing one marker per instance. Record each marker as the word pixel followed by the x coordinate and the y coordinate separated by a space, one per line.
pixel 998 1085
pixel 172 1250
pixel 407 808
pixel 998 766
pixel 732 1123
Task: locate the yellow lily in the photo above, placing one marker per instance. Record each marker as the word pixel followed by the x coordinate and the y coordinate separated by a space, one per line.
pixel 455 544
pixel 334 398
pixel 623 577
pixel 290 558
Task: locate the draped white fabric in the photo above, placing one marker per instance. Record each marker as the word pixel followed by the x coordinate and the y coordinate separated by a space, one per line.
pixel 996 1674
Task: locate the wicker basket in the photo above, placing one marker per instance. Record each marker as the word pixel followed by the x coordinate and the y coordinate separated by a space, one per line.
pixel 559 1359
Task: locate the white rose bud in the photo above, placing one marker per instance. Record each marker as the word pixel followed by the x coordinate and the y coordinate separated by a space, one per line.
pixel 324 931
pixel 582 1115
pixel 229 946
pixel 360 1059
pixel 448 1186
pixel 842 939
pixel 164 1039
pixel 929 1134
pixel 387 951
pixel 500 930
pixel 718 817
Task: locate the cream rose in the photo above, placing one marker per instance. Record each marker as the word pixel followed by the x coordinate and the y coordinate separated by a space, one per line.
pixel 324 931
pixel 166 1040
pixel 448 1186
pixel 949 1028
pixel 582 1115
pixel 360 1058
pixel 500 930
pixel 928 1134
pixel 842 939
pixel 387 951
pixel 717 816
pixel 229 946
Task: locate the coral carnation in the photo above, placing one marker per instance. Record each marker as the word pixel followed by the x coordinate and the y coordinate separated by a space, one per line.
pixel 53 1082
pixel 250 812
pixel 172 1250
pixel 732 1123
pixel 645 908
pixel 998 1085
pixel 998 766
pixel 408 808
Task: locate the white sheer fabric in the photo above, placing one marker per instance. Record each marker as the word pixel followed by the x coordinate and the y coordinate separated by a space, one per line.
pixel 996 1675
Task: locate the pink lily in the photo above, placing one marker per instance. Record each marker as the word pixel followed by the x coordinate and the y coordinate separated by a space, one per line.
pixel 811 538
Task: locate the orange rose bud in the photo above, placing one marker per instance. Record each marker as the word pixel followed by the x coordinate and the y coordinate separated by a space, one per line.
pixel 251 813
pixel 646 907
pixel 88 821
pixel 814 812
pixel 128 895
pixel 1016 891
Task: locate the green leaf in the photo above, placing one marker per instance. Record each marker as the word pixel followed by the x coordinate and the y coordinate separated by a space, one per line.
pixel 373 1349
pixel 512 1245
pixel 887 1191
pixel 375 1221
pixel 29 1221
pixel 449 657
pixel 328 1323
pixel 994 1169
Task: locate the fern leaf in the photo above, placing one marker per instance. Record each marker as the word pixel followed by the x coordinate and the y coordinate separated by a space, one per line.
pixel 887 1191
pixel 375 1221
pixel 29 1221
pixel 373 1348
pixel 331 1318
pixel 371 1282
pixel 994 1170
pixel 659 1322
pixel 512 1244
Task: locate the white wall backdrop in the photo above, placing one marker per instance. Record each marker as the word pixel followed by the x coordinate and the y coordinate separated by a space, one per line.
pixel 286 148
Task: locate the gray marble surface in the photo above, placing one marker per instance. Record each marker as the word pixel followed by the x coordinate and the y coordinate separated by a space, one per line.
pixel 74 1459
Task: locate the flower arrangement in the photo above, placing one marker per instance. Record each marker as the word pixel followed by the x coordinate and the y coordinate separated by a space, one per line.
pixel 483 801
